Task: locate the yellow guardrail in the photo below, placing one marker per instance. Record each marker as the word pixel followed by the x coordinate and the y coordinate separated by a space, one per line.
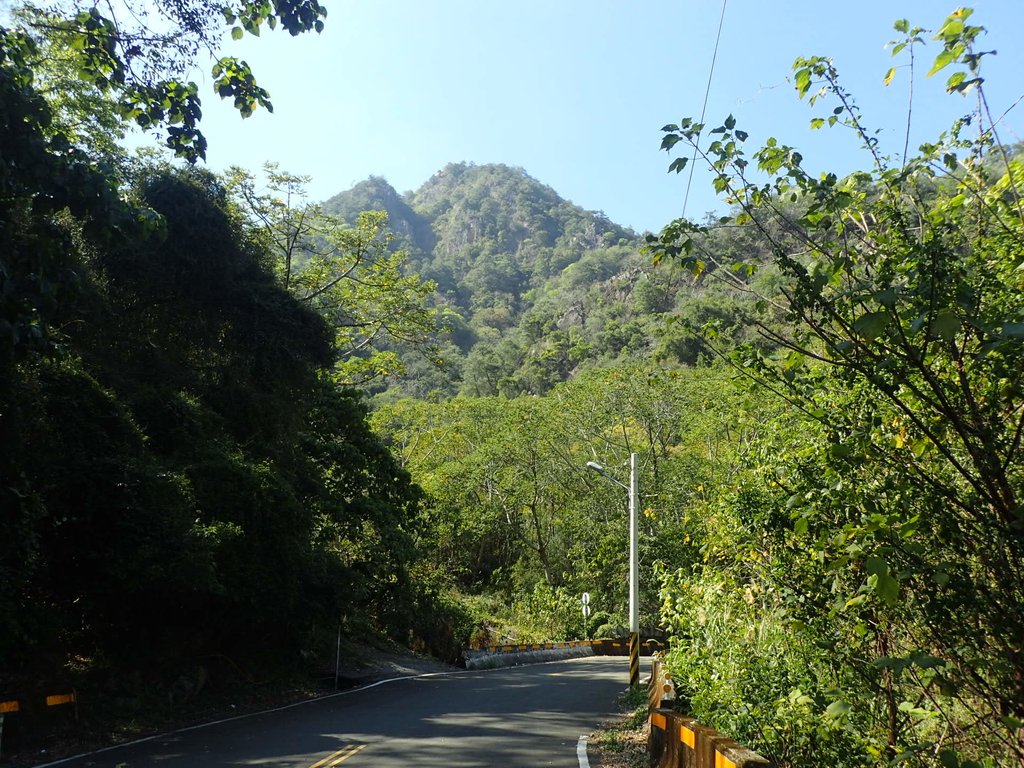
pixel 677 741
pixel 601 647
pixel 19 707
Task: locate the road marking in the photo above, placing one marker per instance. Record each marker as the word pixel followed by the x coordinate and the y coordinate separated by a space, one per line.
pixel 581 752
pixel 337 758
pixel 348 692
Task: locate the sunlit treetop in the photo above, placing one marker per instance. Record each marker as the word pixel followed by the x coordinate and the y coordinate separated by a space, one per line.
pixel 138 54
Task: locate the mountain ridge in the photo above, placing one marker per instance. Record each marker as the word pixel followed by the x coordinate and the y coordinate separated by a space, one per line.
pixel 535 288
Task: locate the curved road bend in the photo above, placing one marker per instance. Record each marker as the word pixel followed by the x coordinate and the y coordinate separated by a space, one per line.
pixel 519 717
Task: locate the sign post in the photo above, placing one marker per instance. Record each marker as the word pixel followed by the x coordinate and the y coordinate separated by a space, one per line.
pixel 634 577
pixel 634 567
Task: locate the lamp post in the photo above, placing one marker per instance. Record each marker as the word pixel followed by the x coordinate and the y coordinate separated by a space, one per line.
pixel 634 569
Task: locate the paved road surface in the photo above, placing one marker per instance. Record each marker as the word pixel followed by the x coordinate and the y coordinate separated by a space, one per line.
pixel 519 717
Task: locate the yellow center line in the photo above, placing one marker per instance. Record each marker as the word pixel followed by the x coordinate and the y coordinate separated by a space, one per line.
pixel 336 758
pixel 352 753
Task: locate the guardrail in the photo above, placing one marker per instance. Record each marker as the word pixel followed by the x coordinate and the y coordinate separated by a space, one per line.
pixel 31 705
pixel 677 741
pixel 600 647
pixel 512 654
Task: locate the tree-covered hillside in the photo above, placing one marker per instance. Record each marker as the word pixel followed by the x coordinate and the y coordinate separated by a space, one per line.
pixel 533 288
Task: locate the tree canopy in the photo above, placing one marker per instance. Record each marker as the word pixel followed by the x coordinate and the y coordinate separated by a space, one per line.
pixel 888 534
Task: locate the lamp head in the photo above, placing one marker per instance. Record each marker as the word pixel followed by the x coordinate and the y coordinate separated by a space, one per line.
pixel 595 466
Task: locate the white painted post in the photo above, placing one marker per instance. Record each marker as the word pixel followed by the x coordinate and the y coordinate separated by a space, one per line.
pixel 634 576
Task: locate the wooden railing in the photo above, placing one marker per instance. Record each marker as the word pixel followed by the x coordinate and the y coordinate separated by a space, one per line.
pixel 677 741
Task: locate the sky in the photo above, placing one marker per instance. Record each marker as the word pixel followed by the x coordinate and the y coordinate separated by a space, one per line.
pixel 575 92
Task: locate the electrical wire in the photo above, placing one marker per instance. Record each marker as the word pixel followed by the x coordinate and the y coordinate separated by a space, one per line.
pixel 703 109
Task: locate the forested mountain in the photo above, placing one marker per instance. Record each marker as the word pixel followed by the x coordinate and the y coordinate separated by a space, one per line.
pixel 534 288
pixel 486 234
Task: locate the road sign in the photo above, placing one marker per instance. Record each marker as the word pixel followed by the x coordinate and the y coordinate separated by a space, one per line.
pixel 586 598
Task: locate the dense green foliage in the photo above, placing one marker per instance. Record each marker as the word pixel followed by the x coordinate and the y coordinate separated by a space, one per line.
pixel 351 275
pixel 516 514
pixel 184 482
pixel 861 604
pixel 181 474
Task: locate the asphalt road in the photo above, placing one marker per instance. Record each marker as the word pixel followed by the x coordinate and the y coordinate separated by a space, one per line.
pixel 518 717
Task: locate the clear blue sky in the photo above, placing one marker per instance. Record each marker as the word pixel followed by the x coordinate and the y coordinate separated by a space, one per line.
pixel 575 91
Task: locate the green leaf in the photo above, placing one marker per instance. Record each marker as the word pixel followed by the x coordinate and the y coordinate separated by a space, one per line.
pixel 886 297
pixel 678 164
pixel 895 663
pixel 1013 723
pixel 942 61
pixel 237 33
pixel 839 451
pixel 871 324
pixel 876 565
pixel 803 81
pixel 927 661
pixel 838 709
pixel 889 75
pixel 885 586
pixel 796 696
pixel 670 141
pixel 946 325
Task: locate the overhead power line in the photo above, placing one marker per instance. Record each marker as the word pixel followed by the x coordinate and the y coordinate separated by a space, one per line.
pixel 703 109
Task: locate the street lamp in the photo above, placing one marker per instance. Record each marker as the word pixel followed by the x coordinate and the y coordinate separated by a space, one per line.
pixel 634 580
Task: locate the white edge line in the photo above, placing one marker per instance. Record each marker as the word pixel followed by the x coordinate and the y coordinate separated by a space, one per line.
pixel 581 752
pixel 155 736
